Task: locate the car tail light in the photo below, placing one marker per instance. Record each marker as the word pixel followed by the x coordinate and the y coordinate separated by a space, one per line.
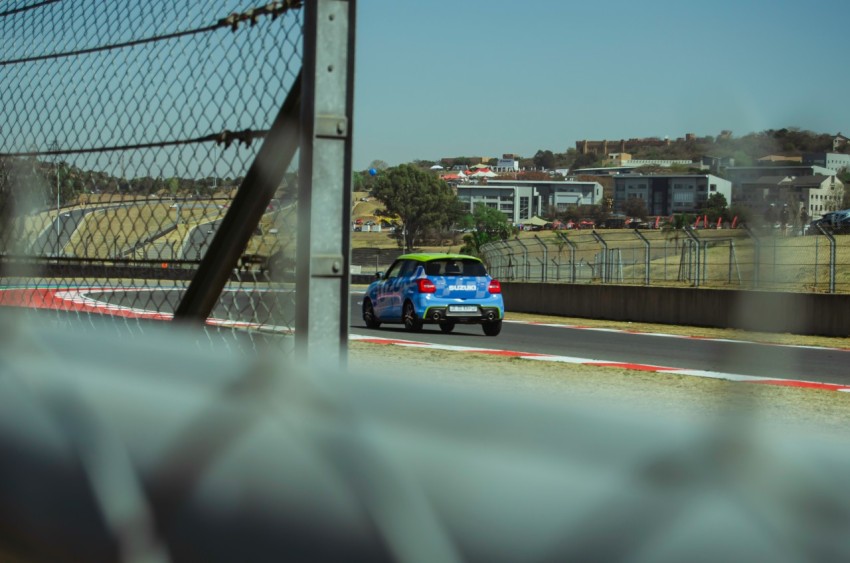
pixel 494 287
pixel 427 286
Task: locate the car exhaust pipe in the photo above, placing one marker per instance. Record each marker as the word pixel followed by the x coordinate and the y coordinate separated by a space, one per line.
pixel 436 315
pixel 491 316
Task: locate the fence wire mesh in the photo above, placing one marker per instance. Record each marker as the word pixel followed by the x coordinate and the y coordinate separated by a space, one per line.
pixel 125 131
pixel 723 258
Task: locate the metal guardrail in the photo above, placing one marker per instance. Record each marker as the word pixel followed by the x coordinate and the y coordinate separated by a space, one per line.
pixel 697 258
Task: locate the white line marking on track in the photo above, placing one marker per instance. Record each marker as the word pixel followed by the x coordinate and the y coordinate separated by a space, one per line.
pixel 611 364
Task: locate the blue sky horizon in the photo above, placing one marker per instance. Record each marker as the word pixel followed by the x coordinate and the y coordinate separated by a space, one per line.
pixel 483 78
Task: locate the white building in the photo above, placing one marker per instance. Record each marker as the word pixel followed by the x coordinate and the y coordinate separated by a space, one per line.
pixel 665 194
pixel 834 161
pixel 522 200
pixel 506 165
pixel 817 195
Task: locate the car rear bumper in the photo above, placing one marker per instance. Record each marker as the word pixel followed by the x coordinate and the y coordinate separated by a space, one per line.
pixel 442 314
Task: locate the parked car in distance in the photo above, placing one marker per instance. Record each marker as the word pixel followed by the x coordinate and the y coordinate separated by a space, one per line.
pixel 836 222
pixel 443 289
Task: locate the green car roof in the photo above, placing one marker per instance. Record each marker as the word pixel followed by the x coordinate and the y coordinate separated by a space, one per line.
pixel 429 256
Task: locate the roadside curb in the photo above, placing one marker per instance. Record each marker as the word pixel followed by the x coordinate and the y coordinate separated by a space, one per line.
pixel 798 383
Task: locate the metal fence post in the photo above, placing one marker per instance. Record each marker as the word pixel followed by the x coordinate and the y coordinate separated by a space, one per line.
pixel 510 271
pixel 695 243
pixel 484 254
pixel 773 262
pixel 544 273
pixel 322 273
pixel 756 254
pixel 572 245
pixel 731 259
pixel 817 248
pixel 600 240
pixel 489 253
pixel 832 253
pixel 647 259
pixel 495 251
pixel 527 275
pixel 496 256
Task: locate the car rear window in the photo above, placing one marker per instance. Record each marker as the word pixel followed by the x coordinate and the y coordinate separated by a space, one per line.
pixel 454 267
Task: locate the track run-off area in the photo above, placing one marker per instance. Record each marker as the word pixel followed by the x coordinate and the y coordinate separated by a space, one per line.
pixel 717 358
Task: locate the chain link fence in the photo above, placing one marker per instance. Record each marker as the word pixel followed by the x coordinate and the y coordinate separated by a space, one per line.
pixel 370 260
pixel 736 258
pixel 126 130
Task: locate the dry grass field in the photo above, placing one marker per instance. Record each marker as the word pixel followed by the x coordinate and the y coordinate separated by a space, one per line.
pixel 110 232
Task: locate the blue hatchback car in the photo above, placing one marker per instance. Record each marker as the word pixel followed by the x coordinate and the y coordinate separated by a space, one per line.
pixel 444 289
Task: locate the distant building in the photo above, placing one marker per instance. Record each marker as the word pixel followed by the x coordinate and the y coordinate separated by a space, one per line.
pixel 780 158
pixel 816 194
pixel 508 163
pixel 618 158
pixel 603 170
pixel 451 162
pixel 713 164
pixel 630 164
pixel 605 147
pixel 637 163
pixel 522 200
pixel 739 175
pixel 667 194
pixel 831 160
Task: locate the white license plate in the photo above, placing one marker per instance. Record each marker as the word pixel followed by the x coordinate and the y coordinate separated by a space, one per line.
pixel 463 308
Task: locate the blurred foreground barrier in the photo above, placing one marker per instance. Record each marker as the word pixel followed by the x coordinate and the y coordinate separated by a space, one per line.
pixel 151 450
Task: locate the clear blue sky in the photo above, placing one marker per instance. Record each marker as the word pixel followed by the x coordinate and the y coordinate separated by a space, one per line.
pixel 441 78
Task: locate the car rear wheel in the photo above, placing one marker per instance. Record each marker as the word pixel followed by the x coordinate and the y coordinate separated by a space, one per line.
pixel 492 328
pixel 369 315
pixel 447 326
pixel 408 314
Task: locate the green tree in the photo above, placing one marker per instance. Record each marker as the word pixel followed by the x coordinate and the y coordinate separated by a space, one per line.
pixel 378 165
pixel 544 159
pixel 597 213
pixel 584 161
pixel 460 161
pixel 173 185
pixel 635 207
pixel 364 181
pixel 716 206
pixel 488 224
pixel 420 200
pixel 742 158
